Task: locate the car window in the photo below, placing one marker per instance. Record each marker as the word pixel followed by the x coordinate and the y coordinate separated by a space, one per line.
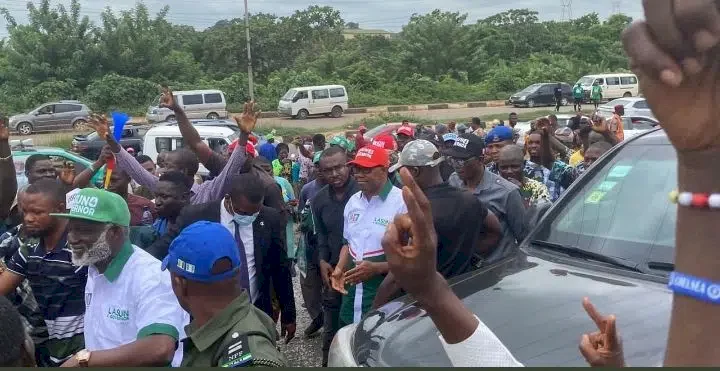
pixel 320 94
pixel 622 210
pixel 303 94
pixel 600 81
pixel 47 109
pixel 642 124
pixel 192 99
pixel 179 143
pixel 337 92
pixel 217 144
pixel 163 144
pixel 60 108
pixel 613 80
pixel 128 133
pixel 628 80
pixel 641 104
pixel 213 98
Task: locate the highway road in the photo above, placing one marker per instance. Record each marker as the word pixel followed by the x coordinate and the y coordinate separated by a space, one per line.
pixel 441 114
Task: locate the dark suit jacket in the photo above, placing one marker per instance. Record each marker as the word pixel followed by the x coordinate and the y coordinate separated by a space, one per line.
pixel 271 262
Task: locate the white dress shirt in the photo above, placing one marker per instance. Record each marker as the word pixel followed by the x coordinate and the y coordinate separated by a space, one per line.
pixel 481 349
pixel 246 235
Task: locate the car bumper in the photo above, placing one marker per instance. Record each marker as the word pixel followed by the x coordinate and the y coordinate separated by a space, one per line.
pixel 341 354
pixel 284 111
pixel 13 125
pixel 517 102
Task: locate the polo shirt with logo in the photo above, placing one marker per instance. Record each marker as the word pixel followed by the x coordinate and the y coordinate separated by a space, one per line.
pixel 365 223
pixel 58 289
pixel 131 300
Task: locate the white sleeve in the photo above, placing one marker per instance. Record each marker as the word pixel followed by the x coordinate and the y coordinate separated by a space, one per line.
pixel 481 349
pixel 158 311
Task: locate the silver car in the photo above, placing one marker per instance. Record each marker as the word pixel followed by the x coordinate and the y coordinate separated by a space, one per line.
pixel 64 114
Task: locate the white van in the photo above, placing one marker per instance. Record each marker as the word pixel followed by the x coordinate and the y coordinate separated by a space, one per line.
pixel 614 85
pixel 198 104
pixel 168 138
pixel 300 103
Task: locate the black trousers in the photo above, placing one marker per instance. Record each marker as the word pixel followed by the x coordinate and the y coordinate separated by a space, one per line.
pixel 312 284
pixel 331 300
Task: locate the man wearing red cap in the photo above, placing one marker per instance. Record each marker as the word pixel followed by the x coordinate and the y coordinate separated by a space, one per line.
pixel 404 135
pixel 615 124
pixel 387 142
pixel 360 137
pixel 366 216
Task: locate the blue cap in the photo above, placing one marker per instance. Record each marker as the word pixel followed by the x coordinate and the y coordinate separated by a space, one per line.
pixel 499 134
pixel 449 137
pixel 193 253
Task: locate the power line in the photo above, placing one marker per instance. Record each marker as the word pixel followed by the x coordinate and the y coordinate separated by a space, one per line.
pixel 566 9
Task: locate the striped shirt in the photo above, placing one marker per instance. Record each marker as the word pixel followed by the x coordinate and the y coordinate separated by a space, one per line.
pixel 59 288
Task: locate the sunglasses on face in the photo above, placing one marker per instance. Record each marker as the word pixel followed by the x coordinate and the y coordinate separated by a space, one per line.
pixel 459 162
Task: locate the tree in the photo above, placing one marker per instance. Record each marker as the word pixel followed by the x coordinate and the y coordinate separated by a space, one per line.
pixel 352 26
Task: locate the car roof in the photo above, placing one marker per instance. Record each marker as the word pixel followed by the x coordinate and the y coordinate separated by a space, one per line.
pixel 656 136
pixel 319 87
pixel 610 74
pixel 190 92
pixel 203 130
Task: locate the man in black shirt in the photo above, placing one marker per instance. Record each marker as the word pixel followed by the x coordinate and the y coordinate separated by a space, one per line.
pixel 327 208
pixel 464 226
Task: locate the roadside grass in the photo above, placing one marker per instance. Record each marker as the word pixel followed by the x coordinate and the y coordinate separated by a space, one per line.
pixel 61 139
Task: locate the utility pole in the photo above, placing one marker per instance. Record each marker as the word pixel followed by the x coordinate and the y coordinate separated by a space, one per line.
pixel 249 56
pixel 616 7
pixel 566 9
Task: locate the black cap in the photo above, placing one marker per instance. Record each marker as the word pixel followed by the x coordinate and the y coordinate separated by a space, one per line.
pixel 466 146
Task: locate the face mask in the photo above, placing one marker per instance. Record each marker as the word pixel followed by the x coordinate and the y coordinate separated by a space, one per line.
pixel 244 220
pixel 308 147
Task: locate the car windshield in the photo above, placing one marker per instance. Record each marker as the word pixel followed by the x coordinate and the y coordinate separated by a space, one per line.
pixel 289 95
pixel 622 210
pixel 586 80
pixel 618 102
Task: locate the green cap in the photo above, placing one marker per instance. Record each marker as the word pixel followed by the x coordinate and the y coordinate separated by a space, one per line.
pixel 97 205
pixel 340 141
pixel 316 157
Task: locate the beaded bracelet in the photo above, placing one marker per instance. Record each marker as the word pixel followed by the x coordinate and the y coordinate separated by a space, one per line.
pixel 697 200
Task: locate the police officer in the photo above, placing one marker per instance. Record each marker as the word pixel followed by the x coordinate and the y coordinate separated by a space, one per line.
pixel 227 330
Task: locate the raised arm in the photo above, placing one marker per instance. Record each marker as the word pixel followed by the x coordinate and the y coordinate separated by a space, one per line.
pixel 190 135
pixel 216 188
pixel 8 181
pixel 82 180
pixel 675 55
pixel 123 160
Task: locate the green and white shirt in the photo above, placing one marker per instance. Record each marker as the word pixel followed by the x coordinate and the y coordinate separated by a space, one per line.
pixel 131 300
pixel 365 223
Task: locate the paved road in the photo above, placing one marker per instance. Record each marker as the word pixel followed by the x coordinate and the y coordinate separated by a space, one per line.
pixel 329 123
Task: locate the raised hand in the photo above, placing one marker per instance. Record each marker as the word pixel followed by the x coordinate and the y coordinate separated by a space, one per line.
pixel 167 99
pixel 674 54
pixel 410 241
pixel 100 124
pixel 601 348
pixel 248 119
pixel 67 173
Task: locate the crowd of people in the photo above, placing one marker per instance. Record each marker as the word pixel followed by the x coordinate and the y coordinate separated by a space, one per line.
pixel 161 269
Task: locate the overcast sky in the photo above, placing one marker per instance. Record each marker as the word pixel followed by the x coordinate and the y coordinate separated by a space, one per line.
pixel 383 14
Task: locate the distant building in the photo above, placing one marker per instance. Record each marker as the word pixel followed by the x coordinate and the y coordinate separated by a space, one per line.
pixel 349 33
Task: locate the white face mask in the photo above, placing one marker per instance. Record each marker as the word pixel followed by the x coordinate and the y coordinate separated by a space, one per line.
pixel 99 251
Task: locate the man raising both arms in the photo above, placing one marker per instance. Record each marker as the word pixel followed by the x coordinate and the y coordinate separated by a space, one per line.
pixel 132 317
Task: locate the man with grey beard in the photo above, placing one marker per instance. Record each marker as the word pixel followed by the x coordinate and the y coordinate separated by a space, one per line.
pixel 132 316
pixel 43 259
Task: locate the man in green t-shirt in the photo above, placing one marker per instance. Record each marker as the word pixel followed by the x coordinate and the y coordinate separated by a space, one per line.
pixel 596 94
pixel 578 95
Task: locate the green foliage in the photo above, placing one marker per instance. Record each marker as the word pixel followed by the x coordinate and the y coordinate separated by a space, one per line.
pixel 120 62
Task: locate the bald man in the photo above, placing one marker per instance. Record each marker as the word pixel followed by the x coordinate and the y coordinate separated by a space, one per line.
pixel 511 162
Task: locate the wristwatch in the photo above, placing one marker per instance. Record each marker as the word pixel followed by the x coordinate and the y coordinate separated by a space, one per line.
pixel 83 357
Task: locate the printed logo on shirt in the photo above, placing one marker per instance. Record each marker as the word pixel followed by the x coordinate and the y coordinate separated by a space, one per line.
pixel 381 221
pixel 117 313
pixel 354 217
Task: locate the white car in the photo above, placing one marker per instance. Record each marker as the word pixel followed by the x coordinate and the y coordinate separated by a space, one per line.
pixel 634 107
